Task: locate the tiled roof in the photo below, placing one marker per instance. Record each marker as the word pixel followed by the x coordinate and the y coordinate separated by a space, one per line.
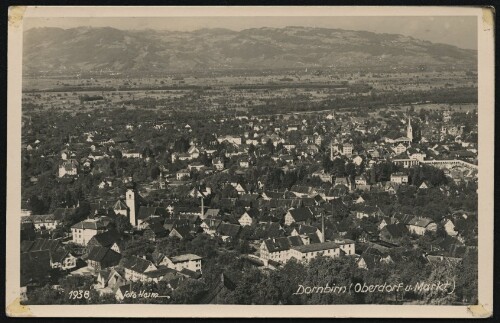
pixel 253 213
pixel 185 257
pixel 306 229
pixel 120 205
pixel 157 228
pixel 58 255
pixel 227 229
pixel 277 244
pixel 420 222
pixel 44 244
pixel 212 212
pixel 163 272
pixel 136 264
pixel 190 273
pixel 106 239
pixel 295 241
pixel 396 230
pixel 89 224
pixel 317 247
pixel 100 253
pixel 268 230
pixel 301 214
pixel 147 211
pixel 212 223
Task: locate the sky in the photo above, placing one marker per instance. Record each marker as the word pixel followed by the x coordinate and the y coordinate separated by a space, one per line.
pixel 460 31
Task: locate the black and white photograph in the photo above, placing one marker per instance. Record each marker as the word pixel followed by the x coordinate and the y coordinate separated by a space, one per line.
pixel 239 159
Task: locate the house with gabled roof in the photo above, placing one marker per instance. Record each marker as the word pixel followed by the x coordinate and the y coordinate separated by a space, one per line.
pixel 228 232
pixel 45 221
pixel 155 231
pixel 385 220
pixel 210 225
pixel 420 225
pixel 449 227
pixel 240 188
pixel 193 152
pixel 393 232
pixel 108 239
pixel 62 259
pixel 102 257
pixel 369 261
pixel 303 191
pixel 360 200
pixel 424 185
pixel 249 217
pixel 181 232
pixel 309 234
pixel 120 208
pixel 302 215
pixel 277 249
pixel 136 268
pixel 110 278
pixel 189 261
pixel 148 212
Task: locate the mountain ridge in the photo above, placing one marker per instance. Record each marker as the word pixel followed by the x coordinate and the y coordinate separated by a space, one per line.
pixel 107 48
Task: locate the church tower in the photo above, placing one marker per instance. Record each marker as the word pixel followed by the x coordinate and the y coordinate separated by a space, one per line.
pixel 131 201
pixel 409 130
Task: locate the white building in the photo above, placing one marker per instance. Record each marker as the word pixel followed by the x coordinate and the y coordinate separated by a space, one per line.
pixel 331 249
pixel 399 178
pixel 68 167
pixel 231 139
pixel 188 261
pixel 131 154
pixel 85 230
pixel 347 149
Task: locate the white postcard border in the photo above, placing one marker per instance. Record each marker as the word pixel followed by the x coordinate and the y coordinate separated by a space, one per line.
pixel 486 166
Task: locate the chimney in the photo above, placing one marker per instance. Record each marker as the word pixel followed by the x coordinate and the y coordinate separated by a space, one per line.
pixel 322 227
pixel 202 207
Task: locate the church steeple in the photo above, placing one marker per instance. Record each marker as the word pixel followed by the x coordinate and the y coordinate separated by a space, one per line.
pixel 409 129
pixel 131 202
